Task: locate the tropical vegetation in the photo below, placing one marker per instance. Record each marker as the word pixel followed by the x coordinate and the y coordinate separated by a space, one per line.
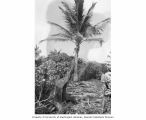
pixel 68 84
pixel 94 79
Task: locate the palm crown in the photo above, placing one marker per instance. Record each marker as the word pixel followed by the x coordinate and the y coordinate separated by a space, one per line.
pixel 79 28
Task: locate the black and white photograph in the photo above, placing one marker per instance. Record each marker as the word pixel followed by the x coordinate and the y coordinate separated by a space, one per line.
pixel 72 57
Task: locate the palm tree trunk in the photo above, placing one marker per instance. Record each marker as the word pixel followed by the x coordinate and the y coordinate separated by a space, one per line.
pixel 76 63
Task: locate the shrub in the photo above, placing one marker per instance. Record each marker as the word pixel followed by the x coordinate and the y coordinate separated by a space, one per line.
pixel 92 70
pixel 47 70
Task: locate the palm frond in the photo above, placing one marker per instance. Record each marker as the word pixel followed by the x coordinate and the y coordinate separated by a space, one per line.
pixel 57 39
pixel 70 17
pixel 91 8
pixel 61 35
pixel 99 27
pixel 68 12
pixel 66 6
pixel 93 39
pixel 60 27
pixel 85 25
pixel 86 22
pixel 105 21
pixel 79 9
pixel 73 15
pixel 54 39
pixel 95 30
pixel 89 14
pixel 100 40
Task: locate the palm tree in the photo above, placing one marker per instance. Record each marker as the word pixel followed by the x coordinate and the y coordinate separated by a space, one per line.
pixel 79 28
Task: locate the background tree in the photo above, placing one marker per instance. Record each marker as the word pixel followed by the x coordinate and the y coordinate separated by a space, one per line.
pixel 37 52
pixel 79 28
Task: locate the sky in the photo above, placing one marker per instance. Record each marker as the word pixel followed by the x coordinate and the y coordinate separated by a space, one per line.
pixel 48 10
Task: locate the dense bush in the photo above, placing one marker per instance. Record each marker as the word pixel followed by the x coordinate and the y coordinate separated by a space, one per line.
pixel 52 67
pixel 47 70
pixel 92 70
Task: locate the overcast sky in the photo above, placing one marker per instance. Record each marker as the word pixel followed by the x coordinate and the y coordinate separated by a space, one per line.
pixel 48 10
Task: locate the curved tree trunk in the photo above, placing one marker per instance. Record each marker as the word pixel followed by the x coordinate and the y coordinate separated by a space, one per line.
pixel 76 63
